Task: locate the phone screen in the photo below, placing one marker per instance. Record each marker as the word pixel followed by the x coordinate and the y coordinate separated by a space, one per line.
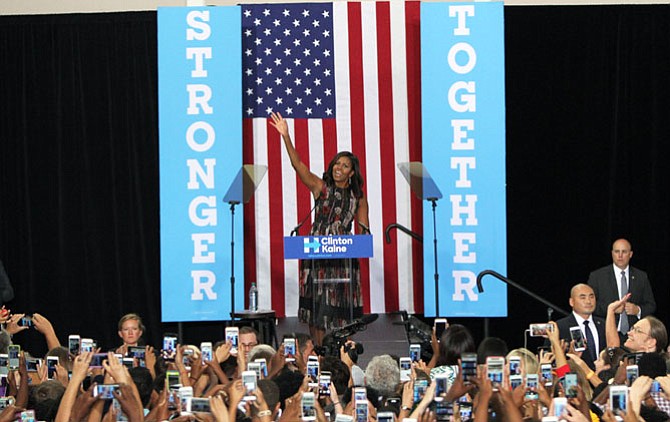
pixel 578 338
pixel 289 349
pixel 570 385
pixel 415 352
pixel 14 350
pixel 169 347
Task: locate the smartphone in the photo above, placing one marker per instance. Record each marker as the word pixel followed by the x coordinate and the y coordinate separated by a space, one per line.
pixel 187 353
pixel 344 418
pixel 105 391
pixel 169 347
pixel 560 406
pixel 632 372
pixel 4 362
pixel 183 393
pixel 138 353
pixel 308 407
pixel 531 387
pixel 385 417
pixel 26 321
pixel 570 385
pixel 52 362
pixel 444 410
pixel 618 398
pixel 405 369
pixel 495 366
pixel 420 387
pixel 545 372
pixel 256 367
pixel 13 352
pixel 198 404
pixel 360 394
pixel 32 364
pixel 27 416
pixel 515 381
pixel 249 381
pixel 313 373
pixel 578 337
pixel 173 378
pixel 289 349
pixel 6 401
pixel 440 325
pixel 74 344
pixel 515 365
pixel 233 336
pixel 86 345
pixel 264 366
pixel 361 411
pixel 206 351
pixel 324 384
pixel 97 359
pixel 128 362
pixel 441 387
pixel 469 366
pixel 415 352
pixel 540 330
pixel 465 411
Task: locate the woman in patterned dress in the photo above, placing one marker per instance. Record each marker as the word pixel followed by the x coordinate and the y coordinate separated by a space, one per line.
pixel 339 200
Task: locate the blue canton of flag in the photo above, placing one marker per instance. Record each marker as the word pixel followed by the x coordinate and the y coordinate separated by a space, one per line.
pixel 288 60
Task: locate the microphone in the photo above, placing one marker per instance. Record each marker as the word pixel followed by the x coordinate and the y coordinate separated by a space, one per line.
pixel 355 326
pixel 294 232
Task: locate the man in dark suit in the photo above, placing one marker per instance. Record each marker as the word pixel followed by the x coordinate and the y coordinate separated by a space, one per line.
pixel 583 303
pixel 612 282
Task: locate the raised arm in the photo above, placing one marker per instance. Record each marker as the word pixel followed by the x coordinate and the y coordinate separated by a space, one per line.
pixel 309 179
pixel 611 332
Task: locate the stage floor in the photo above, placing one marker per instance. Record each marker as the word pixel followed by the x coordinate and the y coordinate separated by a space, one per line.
pixel 386 335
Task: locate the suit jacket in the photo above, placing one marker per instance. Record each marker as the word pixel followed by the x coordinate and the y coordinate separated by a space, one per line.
pixel 604 286
pixel 564 325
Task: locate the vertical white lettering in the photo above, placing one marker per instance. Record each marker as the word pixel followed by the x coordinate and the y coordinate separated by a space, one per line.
pixel 464 282
pixel 467 101
pixel 208 215
pixel 462 164
pixel 195 172
pixel 210 136
pixel 199 29
pixel 462 242
pixel 457 209
pixel 201 253
pixel 199 53
pixel 461 12
pixel 469 52
pixel 461 141
pixel 199 95
pixel 203 281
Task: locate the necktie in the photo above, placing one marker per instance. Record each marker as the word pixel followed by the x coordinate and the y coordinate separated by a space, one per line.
pixel 625 327
pixel 590 343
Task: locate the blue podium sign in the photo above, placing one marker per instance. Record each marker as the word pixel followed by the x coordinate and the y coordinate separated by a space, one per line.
pixel 328 247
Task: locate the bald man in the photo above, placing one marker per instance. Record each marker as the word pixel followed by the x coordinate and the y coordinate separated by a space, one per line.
pixel 583 303
pixel 612 282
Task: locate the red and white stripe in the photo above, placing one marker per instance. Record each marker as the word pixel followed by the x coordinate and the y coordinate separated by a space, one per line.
pixel 378 118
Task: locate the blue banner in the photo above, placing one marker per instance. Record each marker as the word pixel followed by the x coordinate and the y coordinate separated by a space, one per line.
pixel 463 112
pixel 200 151
pixel 328 247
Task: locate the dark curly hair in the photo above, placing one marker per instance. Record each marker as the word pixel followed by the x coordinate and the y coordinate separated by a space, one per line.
pixel 356 181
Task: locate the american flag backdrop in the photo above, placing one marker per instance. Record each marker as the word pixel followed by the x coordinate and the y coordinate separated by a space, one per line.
pixel 347 77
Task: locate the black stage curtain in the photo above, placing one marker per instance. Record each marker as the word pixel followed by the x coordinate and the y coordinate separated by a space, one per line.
pixel 588 111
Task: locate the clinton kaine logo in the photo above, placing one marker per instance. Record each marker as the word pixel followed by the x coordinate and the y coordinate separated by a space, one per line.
pixel 326 244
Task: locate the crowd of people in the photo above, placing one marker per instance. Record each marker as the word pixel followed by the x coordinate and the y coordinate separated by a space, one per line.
pixel 239 378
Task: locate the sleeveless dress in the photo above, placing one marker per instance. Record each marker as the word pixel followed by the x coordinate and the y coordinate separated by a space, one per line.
pixel 326 302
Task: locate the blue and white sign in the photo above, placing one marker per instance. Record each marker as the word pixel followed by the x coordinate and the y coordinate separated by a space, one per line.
pixel 463 112
pixel 200 143
pixel 328 247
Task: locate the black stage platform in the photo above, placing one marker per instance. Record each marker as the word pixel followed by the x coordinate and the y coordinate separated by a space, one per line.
pixel 386 335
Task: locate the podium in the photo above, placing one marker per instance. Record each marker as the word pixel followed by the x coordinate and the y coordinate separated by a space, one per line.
pixel 349 247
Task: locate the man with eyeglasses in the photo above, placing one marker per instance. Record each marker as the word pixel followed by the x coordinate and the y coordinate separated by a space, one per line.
pixel 614 282
pixel 248 339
